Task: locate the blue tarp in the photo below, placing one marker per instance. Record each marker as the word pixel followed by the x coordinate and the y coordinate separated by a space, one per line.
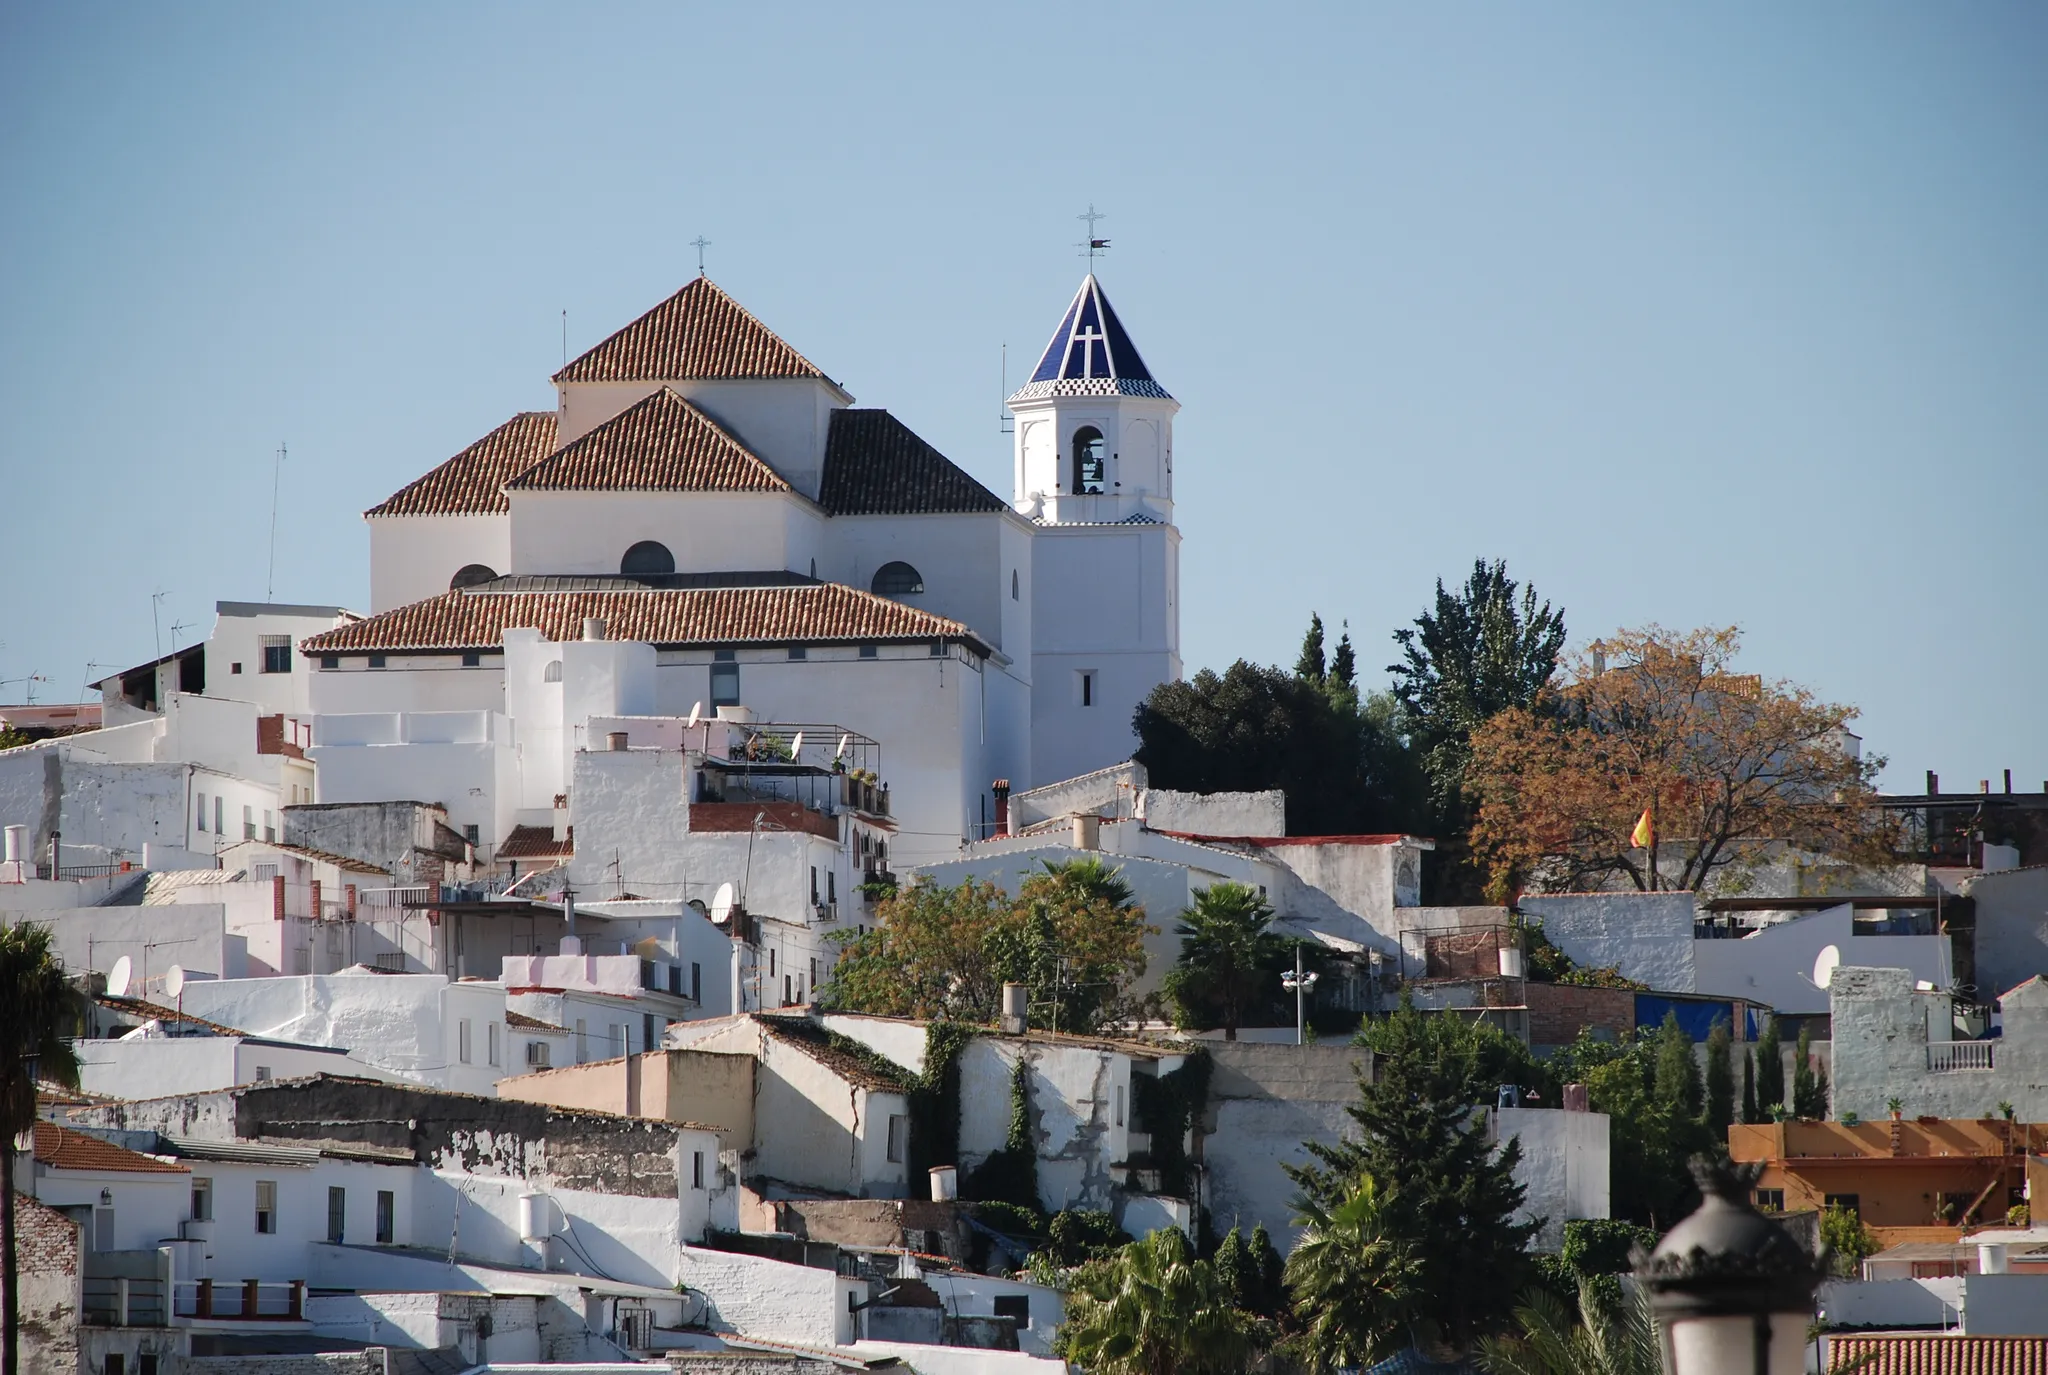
pixel 1696 1015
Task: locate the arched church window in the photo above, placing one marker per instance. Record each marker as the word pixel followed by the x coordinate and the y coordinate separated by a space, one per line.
pixel 647 559
pixel 469 575
pixel 897 579
pixel 1088 459
pixel 553 672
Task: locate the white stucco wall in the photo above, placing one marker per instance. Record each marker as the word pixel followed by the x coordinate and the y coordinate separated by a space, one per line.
pixel 1265 1101
pixel 1215 814
pixel 1647 936
pixel 1880 1050
pixel 2012 928
pixel 464 760
pixel 147 1206
pixel 152 1067
pixel 192 935
pixel 758 1297
pixel 1564 1170
pixel 707 532
pixel 1074 1092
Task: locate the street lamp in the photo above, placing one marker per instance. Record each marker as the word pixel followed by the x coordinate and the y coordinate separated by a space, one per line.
pixel 1731 1290
pixel 1300 982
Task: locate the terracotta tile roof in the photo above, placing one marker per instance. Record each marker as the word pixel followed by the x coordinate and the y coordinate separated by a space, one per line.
pixel 535 842
pixel 660 443
pixel 699 332
pixel 1932 1354
pixel 667 617
pixel 69 1150
pixel 867 1071
pixel 876 465
pixel 470 482
pixel 522 1022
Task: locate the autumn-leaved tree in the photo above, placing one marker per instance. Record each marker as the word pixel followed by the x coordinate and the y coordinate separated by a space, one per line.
pixel 940 952
pixel 1727 765
pixel 38 1011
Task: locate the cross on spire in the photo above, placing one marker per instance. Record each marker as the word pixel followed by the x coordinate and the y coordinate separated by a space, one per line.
pixel 700 243
pixel 1092 247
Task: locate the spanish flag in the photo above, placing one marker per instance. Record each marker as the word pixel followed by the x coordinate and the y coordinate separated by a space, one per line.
pixel 1644 835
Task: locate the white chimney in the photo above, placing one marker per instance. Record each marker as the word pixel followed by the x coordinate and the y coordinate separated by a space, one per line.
pixel 615 741
pixel 1016 1021
pixel 593 627
pixel 1087 832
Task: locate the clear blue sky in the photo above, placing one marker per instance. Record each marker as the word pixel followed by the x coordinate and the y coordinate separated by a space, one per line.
pixel 1695 314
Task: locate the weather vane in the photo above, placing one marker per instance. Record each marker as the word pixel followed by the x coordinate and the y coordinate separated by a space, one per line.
pixel 700 243
pixel 1093 248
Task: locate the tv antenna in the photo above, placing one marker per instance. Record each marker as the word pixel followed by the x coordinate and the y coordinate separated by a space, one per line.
pixel 700 243
pixel 276 478
pixel 156 603
pixel 1092 248
pixel 31 679
pixel 1005 422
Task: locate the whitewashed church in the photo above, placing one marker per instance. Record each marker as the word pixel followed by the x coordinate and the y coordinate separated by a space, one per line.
pixel 713 497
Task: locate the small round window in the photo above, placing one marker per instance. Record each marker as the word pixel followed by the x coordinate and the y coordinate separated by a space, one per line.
pixel 471 575
pixel 897 579
pixel 647 559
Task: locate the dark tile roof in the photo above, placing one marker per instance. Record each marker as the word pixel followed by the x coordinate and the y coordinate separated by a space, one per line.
pixel 700 332
pixel 69 1150
pixel 535 842
pixel 1090 354
pixel 668 617
pixel 470 483
pixel 867 1071
pixel 876 465
pixel 661 443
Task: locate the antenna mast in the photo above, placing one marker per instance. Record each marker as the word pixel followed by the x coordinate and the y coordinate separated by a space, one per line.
pixel 1005 422
pixel 1092 247
pixel 276 477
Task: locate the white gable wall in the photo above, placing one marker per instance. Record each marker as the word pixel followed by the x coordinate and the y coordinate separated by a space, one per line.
pixel 707 532
pixel 415 557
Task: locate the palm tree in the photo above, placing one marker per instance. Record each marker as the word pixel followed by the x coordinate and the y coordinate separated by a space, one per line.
pixel 1226 953
pixel 1594 1341
pixel 1153 1308
pixel 1352 1278
pixel 1092 879
pixel 37 1005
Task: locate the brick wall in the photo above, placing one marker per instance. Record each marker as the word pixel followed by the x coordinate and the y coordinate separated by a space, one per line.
pixel 1558 1011
pixel 50 1249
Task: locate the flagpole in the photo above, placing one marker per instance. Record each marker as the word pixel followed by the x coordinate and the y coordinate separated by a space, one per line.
pixel 1653 840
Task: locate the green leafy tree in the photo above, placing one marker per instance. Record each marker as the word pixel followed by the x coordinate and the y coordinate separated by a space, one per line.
pixel 1155 1308
pixel 1749 1109
pixel 1354 1276
pixel 1253 1270
pixel 39 1009
pixel 946 952
pixel 1446 1191
pixel 1720 1104
pixel 1076 1236
pixel 1601 1338
pixel 1649 1142
pixel 1478 652
pixel 1342 764
pixel 1770 1071
pixel 1230 959
pixel 1850 1243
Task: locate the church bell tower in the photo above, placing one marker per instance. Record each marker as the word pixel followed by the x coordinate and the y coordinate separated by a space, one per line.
pixel 1094 472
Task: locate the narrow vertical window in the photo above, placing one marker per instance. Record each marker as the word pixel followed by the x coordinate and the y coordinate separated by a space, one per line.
pixel 248 823
pixel 696 1169
pixel 202 811
pixel 202 1199
pixel 387 1215
pixel 696 982
pixel 492 1046
pixel 266 1206
pixel 337 1213
pixel 1088 459
pixel 462 1040
pixel 217 810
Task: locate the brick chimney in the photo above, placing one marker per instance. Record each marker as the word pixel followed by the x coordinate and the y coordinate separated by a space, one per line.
pixel 1001 788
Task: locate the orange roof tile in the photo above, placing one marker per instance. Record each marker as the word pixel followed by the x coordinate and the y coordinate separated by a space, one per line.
pixel 699 332
pixel 661 443
pixel 69 1150
pixel 470 483
pixel 1932 1354
pixel 535 842
pixel 667 617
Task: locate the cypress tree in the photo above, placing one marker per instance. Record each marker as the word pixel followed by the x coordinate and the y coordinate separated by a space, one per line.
pixel 1344 663
pixel 1720 1110
pixel 1809 1091
pixel 1677 1082
pixel 1310 665
pixel 1770 1071
pixel 1749 1084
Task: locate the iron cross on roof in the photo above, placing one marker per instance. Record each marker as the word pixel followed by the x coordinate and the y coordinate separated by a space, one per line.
pixel 700 243
pixel 1092 247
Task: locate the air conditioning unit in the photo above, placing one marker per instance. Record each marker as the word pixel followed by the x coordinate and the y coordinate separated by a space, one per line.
pixel 537 1054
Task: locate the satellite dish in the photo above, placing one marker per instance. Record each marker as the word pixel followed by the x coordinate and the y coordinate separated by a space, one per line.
pixel 118 976
pixel 796 749
pixel 696 712
pixel 174 982
pixel 840 753
pixel 721 904
pixel 1824 966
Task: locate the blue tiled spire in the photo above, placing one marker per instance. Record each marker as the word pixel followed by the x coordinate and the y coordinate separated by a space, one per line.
pixel 1090 354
